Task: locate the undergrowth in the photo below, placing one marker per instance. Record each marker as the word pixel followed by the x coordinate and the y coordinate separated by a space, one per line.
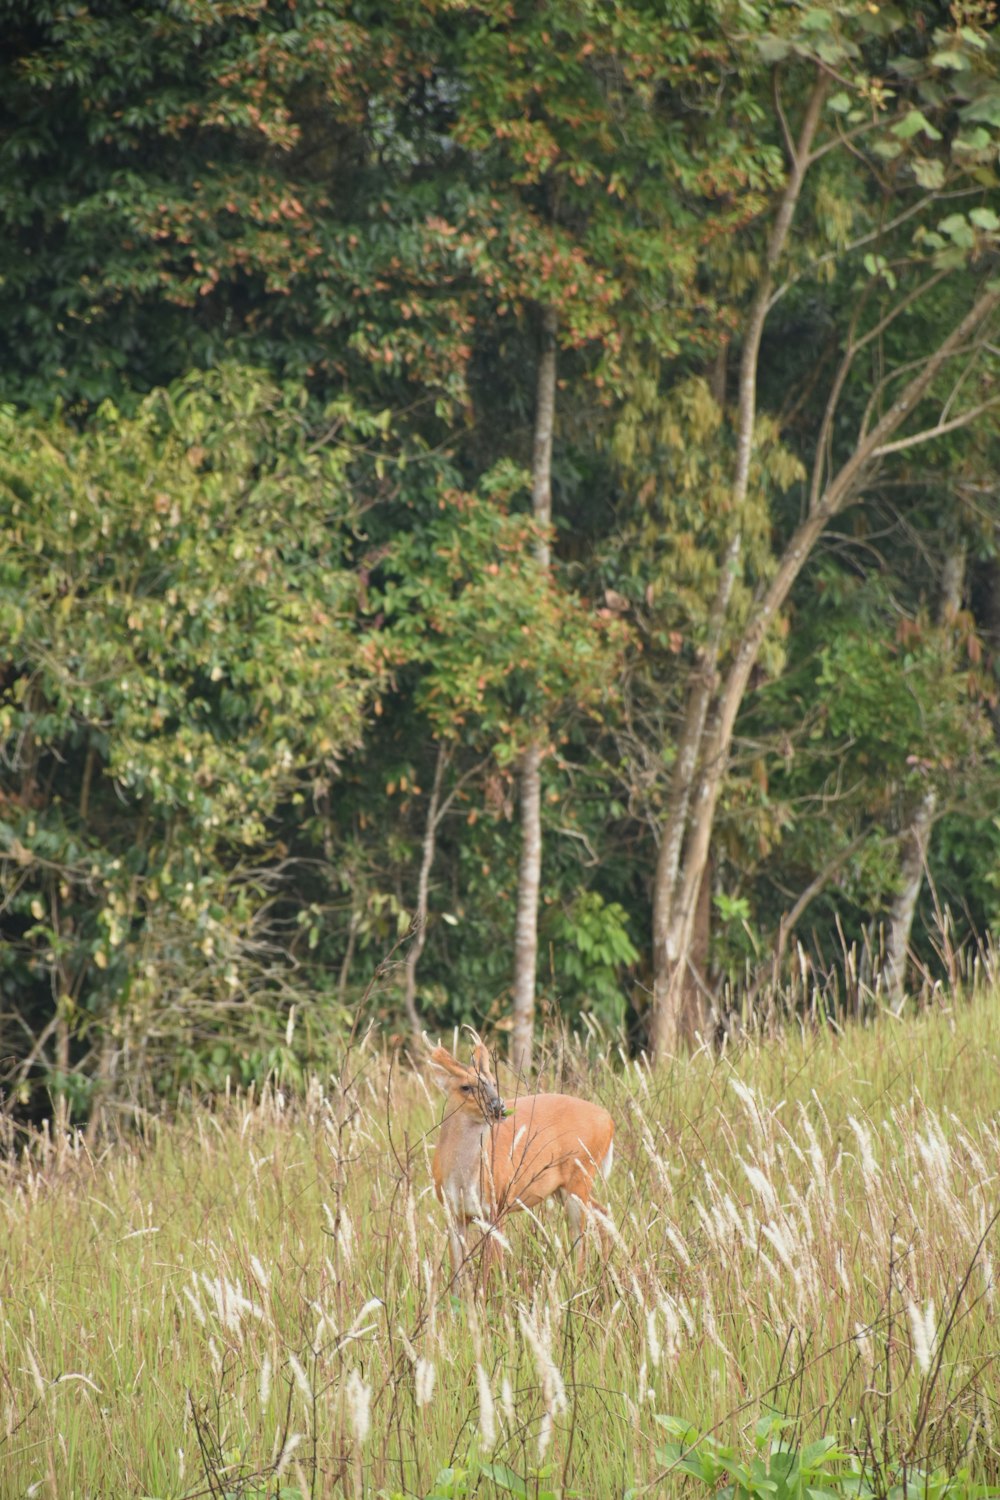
pixel 796 1295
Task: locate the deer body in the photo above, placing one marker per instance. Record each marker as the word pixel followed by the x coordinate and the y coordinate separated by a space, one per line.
pixel 491 1160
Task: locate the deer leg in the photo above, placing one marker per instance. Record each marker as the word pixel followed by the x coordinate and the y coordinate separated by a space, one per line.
pixel 456 1246
pixel 576 1213
pixel 492 1254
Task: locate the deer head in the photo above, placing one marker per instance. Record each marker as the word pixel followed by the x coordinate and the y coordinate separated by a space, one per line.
pixel 471 1091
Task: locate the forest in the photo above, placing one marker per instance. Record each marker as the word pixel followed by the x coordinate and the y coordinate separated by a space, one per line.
pixel 500 524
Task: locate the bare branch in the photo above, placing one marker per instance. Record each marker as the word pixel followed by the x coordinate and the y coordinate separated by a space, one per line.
pixel 898 373
pixel 823 461
pixel 466 776
pixel 928 433
pixel 847 137
pixel 960 380
pixel 798 549
pixel 902 306
pixel 785 128
pixel 821 880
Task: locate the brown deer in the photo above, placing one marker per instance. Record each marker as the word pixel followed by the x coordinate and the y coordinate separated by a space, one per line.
pixel 492 1159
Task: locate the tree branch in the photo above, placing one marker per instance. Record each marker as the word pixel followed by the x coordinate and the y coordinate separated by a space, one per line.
pixel 939 430
pixel 790 918
pixel 423 886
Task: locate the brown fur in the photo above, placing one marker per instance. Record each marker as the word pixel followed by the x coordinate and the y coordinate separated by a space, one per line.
pixel 485 1167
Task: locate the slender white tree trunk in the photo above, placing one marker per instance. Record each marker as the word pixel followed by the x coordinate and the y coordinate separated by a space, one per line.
pixel 423 889
pixel 530 870
pixel 526 919
pixel 541 454
pixel 912 862
pixel 916 835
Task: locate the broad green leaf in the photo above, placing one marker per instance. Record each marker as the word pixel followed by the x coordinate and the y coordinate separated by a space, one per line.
pixel 958 230
pixel 823 1450
pixel 986 108
pixel 505 1478
pixel 949 58
pixel 817 18
pixel 682 1430
pixel 912 123
pixel 977 140
pixel 929 172
pixel 773 49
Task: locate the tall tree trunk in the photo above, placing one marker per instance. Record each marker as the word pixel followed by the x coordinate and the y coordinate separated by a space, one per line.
pixel 423 887
pixel 912 862
pixel 916 835
pixel 530 869
pixel 526 919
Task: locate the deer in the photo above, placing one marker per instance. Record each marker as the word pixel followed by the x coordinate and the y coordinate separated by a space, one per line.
pixel 493 1159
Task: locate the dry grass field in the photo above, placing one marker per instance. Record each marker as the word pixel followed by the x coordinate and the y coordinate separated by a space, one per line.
pixel 254 1299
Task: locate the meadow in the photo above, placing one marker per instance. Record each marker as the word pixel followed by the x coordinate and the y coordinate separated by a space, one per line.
pixel 254 1298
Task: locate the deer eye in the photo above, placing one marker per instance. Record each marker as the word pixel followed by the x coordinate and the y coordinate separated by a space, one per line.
pixel 467 1088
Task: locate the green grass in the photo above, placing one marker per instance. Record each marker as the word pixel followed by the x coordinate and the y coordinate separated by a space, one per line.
pixel 257 1295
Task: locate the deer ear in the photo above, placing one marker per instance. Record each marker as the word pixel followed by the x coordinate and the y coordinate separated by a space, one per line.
pixel 443 1068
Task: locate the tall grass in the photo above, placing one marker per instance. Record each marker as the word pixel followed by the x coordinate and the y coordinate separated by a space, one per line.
pixel 257 1295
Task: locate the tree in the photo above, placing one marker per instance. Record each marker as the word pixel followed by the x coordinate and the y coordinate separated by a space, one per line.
pixel 181 665
pixel 499 166
pixel 584 131
pixel 529 875
pixel 906 253
pixel 653 307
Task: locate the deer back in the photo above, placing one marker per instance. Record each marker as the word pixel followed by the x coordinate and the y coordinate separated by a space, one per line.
pixel 550 1143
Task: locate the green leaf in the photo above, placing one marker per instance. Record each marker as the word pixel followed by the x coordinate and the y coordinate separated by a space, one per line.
pixel 823 1450
pixel 986 108
pixel 984 218
pixel 881 21
pixel 929 172
pixel 973 140
pixel 773 49
pixel 685 1433
pixel 449 1484
pixel 834 52
pixel 958 230
pixel 505 1479
pixel 949 58
pixel 912 123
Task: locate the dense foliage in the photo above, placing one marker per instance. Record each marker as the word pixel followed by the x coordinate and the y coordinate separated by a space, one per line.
pixel 275 635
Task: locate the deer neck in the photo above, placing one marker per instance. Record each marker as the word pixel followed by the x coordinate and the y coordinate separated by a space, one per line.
pixel 462 1143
